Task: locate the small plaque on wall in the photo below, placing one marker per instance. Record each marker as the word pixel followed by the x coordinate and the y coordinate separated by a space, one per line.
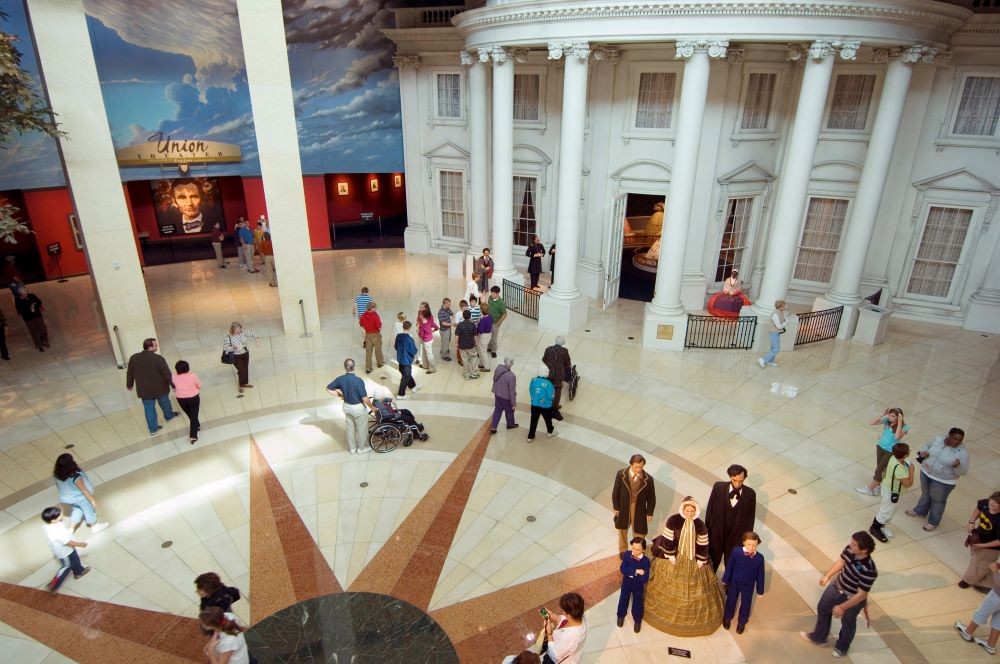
pixel 665 332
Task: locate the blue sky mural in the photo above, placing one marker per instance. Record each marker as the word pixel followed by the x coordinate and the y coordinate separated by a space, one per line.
pixel 177 67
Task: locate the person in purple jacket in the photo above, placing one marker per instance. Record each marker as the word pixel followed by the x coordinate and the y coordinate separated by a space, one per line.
pixel 635 576
pixel 744 572
pixel 504 394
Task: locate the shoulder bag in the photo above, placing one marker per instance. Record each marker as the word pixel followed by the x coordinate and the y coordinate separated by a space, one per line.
pixel 229 356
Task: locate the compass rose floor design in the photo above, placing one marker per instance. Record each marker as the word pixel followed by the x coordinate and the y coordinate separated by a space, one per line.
pixel 467 534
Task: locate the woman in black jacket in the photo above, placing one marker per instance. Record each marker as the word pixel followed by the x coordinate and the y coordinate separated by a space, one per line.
pixel 535 252
pixel 213 592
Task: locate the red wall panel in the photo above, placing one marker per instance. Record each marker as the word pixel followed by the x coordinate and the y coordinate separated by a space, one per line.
pixel 253 194
pixel 388 201
pixel 234 205
pixel 49 210
pixel 316 211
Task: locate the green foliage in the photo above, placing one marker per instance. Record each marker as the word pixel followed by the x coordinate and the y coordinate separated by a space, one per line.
pixel 9 225
pixel 21 108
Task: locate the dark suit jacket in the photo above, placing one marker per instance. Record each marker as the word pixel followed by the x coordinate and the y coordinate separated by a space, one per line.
pixel 629 567
pixel 742 571
pixel 150 375
pixel 645 503
pixel 727 524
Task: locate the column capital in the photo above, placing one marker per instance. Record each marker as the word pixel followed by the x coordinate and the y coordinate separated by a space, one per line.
pixel 467 58
pixel 937 58
pixel 820 49
pixel 579 50
pixel 499 54
pixel 734 56
pixel 406 60
pixel 609 54
pixel 908 54
pixel 685 48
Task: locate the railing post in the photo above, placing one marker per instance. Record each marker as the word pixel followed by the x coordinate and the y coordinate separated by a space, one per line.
pixel 305 328
pixel 121 348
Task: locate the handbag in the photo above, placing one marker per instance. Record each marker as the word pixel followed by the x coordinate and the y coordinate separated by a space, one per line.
pixel 229 356
pixel 973 538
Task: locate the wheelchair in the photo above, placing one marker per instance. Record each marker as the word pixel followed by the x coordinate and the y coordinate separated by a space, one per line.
pixel 387 429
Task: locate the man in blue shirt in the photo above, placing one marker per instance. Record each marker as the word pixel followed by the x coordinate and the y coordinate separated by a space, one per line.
pixel 246 238
pixel 356 407
pixel 406 350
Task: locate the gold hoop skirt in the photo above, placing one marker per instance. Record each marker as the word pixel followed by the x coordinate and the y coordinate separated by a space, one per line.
pixel 682 599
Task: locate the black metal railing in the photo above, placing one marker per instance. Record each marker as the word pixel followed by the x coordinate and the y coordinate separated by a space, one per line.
pixel 716 332
pixel 438 16
pixel 520 299
pixel 818 325
pixel 875 297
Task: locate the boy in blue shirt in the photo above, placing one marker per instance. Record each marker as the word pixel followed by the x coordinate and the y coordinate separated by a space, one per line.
pixel 406 350
pixel 635 576
pixel 744 572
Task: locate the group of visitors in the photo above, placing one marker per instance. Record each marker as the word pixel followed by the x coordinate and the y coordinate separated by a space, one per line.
pixel 252 239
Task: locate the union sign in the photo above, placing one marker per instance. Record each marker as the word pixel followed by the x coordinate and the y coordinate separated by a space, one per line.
pixel 160 149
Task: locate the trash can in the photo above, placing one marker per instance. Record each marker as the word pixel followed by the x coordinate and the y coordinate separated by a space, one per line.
pixel 456 267
pixel 873 323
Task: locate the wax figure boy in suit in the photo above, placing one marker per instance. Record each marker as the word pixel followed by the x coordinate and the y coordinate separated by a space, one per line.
pixel 731 511
pixel 744 573
pixel 635 576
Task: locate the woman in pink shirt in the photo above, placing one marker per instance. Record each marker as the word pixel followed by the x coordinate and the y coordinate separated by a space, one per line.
pixel 187 389
pixel 426 327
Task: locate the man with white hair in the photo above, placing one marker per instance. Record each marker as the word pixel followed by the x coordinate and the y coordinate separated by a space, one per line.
pixel 556 358
pixel 352 390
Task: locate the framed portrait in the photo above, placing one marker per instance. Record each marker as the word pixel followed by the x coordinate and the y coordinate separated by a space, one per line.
pixel 373 183
pixel 74 226
pixel 342 189
pixel 188 206
pixel 397 181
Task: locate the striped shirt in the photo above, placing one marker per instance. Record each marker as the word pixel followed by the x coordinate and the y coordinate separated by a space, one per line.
pixel 857 574
pixel 477 313
pixel 237 342
pixel 361 304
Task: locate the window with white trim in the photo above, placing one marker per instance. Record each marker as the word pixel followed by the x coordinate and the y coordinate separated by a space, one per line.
pixel 820 239
pixel 526 96
pixel 979 107
pixel 940 249
pixel 452 204
pixel 655 102
pixel 851 102
pixel 758 100
pixel 449 96
pixel 739 213
pixel 525 222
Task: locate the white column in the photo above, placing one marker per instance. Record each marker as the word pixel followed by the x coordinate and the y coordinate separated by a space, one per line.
pixel 563 308
pixel 503 163
pixel 479 122
pixel 983 312
pixel 846 284
pixel 265 52
pixel 591 271
pixel 794 181
pixel 66 60
pixel 417 236
pixel 666 307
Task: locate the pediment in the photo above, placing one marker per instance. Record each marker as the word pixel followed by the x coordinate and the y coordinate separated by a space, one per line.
pixel 958 180
pixel 529 154
pixel 748 172
pixel 646 170
pixel 836 171
pixel 447 150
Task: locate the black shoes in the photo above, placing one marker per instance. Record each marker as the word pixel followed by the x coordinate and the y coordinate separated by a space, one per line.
pixel 621 621
pixel 492 431
pixel 556 415
pixel 637 627
pixel 740 628
pixel 878 534
pixel 513 426
pixel 86 570
pixel 963 584
pixel 726 624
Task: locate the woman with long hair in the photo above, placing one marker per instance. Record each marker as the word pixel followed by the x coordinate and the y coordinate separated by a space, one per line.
pixel 227 645
pixel 893 431
pixel 76 491
pixel 426 327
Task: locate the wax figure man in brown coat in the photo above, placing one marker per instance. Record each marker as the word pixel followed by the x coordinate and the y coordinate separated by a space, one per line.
pixel 633 499
pixel 731 511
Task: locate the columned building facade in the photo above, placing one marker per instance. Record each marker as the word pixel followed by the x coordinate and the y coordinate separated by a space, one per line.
pixel 826 151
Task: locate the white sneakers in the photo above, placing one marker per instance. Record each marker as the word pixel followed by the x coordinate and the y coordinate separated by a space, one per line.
pixel 887 532
pixel 416 388
pixel 98 527
pixel 760 361
pixel 552 434
pixel 865 491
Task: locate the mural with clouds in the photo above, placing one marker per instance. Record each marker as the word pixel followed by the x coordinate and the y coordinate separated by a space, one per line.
pixel 177 67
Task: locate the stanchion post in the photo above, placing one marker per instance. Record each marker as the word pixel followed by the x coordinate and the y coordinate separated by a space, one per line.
pixel 305 328
pixel 121 348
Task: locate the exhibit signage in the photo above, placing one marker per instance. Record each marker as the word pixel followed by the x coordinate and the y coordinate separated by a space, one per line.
pixel 165 149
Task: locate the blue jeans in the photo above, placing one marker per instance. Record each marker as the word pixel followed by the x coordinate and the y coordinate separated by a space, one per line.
pixel 775 347
pixel 70 563
pixel 824 616
pixel 149 406
pixel 933 497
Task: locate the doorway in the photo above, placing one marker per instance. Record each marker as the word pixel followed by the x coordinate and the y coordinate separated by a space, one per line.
pixel 637 284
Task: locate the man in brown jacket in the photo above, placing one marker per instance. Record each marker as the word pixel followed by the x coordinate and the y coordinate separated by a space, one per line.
pixel 633 499
pixel 150 375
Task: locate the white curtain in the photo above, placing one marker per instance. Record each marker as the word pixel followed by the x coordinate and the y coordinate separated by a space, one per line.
pixel 980 107
pixel 940 248
pixel 452 205
pixel 820 239
pixel 656 99
pixel 449 96
pixel 757 105
pixel 526 96
pixel 852 96
pixel 522 233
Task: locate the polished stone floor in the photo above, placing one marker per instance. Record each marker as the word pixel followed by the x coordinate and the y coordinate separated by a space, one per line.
pixel 476 531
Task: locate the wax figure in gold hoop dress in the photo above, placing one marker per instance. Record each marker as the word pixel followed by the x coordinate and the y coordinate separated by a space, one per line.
pixel 683 597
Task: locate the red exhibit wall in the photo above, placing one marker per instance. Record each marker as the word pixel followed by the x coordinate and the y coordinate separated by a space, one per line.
pixel 135 229
pixel 316 211
pixel 233 205
pixel 143 210
pixel 253 194
pixel 388 201
pixel 49 210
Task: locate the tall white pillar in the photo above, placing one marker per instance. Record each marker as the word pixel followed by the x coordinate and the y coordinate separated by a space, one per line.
pixel 983 312
pixel 66 60
pixel 417 236
pixel 262 28
pixel 846 284
pixel 563 308
pixel 503 163
pixel 666 310
pixel 479 122
pixel 794 182
pixel 601 94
